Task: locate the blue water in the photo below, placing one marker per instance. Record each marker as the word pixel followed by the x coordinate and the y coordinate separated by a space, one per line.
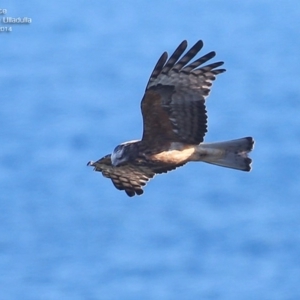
pixel 70 89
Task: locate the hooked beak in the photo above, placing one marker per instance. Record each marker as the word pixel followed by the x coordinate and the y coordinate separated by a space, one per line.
pixel 91 163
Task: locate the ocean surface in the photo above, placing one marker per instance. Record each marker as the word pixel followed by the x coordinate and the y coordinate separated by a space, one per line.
pixel 71 82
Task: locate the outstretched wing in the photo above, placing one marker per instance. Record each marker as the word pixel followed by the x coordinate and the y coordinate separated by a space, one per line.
pixel 130 177
pixel 173 106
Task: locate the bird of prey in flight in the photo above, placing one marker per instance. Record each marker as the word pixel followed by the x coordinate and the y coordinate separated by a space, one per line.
pixel 174 125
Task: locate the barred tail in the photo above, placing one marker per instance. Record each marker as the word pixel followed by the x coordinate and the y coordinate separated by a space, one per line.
pixel 230 154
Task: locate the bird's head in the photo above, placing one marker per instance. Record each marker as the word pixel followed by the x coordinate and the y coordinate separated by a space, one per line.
pixel 123 153
pixel 119 156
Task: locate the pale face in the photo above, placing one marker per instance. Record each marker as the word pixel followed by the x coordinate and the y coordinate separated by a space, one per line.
pixel 122 153
pixel 118 157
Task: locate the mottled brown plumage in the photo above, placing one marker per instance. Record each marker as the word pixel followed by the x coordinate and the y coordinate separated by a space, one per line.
pixel 174 125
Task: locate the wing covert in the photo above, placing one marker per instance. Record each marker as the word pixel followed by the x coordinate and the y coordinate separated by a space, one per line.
pixel 130 178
